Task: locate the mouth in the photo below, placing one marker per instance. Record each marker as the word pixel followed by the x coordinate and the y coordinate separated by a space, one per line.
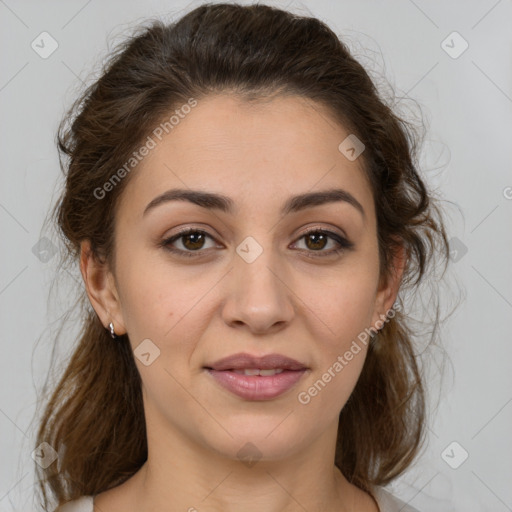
pixel 257 378
pixel 247 362
pixel 257 371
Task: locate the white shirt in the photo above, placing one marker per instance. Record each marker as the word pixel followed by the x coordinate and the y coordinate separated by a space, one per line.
pixel 386 501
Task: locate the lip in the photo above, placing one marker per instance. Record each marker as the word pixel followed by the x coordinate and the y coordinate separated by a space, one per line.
pixel 257 387
pixel 242 361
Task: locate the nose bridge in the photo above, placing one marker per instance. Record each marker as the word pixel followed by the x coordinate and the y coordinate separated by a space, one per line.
pixel 259 296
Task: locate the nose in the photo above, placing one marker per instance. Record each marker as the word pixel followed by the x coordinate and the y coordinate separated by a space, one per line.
pixel 258 295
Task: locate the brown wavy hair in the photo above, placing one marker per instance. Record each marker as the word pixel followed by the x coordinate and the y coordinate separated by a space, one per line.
pixel 93 415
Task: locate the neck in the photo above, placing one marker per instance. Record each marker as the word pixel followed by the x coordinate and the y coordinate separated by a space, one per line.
pixel 194 478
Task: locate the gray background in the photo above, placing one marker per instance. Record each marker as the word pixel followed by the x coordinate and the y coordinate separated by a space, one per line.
pixel 467 106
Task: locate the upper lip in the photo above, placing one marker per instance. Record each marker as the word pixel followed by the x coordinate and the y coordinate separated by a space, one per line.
pixel 245 361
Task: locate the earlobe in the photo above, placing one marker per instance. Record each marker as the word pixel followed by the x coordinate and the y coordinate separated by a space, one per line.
pixel 101 289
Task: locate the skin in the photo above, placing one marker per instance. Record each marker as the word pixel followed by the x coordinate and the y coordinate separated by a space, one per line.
pixel 197 310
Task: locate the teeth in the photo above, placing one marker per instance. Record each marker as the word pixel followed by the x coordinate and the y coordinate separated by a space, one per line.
pixel 255 371
pixel 247 372
pixel 266 373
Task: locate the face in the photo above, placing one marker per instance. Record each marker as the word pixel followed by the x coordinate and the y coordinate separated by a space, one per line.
pixel 249 278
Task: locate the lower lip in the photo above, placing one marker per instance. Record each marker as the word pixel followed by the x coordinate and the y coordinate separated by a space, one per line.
pixel 257 387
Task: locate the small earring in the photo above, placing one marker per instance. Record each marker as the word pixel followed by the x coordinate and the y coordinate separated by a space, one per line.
pixel 112 332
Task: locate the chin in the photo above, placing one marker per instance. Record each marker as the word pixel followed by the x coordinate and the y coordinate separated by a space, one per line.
pixel 260 439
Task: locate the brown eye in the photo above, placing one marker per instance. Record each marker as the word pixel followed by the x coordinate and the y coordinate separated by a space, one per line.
pixel 316 240
pixel 192 240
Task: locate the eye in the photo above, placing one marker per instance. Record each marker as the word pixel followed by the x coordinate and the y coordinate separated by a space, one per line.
pixel 317 239
pixel 192 241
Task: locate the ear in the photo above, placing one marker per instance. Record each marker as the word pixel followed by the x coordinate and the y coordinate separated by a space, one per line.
pixel 389 285
pixel 101 289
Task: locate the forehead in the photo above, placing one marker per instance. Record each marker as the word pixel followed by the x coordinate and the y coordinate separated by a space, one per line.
pixel 251 151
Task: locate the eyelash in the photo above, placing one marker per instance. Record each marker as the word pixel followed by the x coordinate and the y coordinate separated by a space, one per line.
pixel 344 244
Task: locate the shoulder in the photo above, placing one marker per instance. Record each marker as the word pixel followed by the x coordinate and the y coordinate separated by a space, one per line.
pixel 389 503
pixel 82 504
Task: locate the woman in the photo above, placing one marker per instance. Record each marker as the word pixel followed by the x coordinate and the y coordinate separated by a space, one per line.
pixel 245 211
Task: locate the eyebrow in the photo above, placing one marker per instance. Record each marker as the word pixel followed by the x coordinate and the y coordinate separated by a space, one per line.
pixel 213 201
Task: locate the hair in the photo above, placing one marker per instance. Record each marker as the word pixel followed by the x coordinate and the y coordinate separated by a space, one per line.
pixel 94 416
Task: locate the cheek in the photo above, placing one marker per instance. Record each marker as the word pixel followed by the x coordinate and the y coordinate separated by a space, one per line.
pixel 349 312
pixel 166 305
pixel 340 355
pixel 343 313
pixel 148 298
pixel 343 304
